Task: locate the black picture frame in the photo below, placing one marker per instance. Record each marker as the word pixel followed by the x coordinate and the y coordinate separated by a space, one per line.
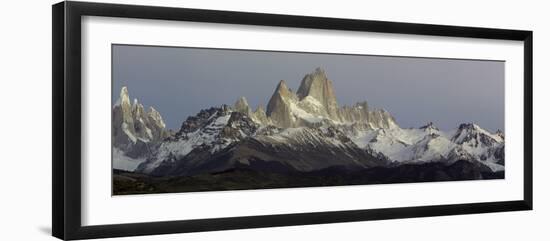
pixel 66 159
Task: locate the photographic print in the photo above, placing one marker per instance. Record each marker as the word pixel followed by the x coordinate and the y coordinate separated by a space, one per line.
pixel 202 119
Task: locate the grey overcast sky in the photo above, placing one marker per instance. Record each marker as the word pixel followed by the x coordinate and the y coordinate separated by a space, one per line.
pixel 179 82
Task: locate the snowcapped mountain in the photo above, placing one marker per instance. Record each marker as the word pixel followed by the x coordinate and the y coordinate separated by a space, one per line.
pixel 210 130
pixel 429 144
pixel 302 131
pixel 218 139
pixel 134 131
pixel 315 103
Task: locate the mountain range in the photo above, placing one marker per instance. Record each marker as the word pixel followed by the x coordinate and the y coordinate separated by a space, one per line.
pixel 306 131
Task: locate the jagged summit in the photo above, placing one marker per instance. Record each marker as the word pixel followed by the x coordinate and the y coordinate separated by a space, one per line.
pixel 304 131
pixel 242 101
pixel 260 116
pixel 474 134
pixel 315 101
pixel 281 85
pixel 310 84
pixel 156 117
pixel 429 126
pixel 278 107
pixel 469 126
pixel 283 90
pixel 241 105
pixel 123 97
pixel 318 86
pixel 361 105
pixel 134 129
pixel 259 108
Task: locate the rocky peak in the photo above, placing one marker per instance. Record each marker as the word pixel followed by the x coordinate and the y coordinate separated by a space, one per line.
pixel 278 107
pixel 260 116
pixel 468 126
pixel 315 102
pixel 429 127
pixel 465 133
pixel 283 90
pixel 259 109
pixel 473 135
pixel 239 126
pixel 123 103
pixel 124 98
pixel 362 105
pixel 312 84
pixel 155 117
pixel 241 105
pixel 318 86
pixel 201 119
pixel 137 109
pixel 381 118
pixel 357 114
pixel 134 103
pixel 133 128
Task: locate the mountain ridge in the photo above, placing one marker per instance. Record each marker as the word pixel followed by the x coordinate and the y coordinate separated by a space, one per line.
pixel 134 131
pixel 303 131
